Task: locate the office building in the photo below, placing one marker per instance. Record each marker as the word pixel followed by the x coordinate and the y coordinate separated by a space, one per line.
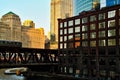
pixel 59 9
pixel 89 44
pixel 12 30
pixel 14 23
pixel 5 32
pixel 85 5
pixel 33 38
pixel 112 2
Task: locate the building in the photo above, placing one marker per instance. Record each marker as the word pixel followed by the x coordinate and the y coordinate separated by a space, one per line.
pixel 5 32
pixel 85 5
pixel 11 30
pixel 13 23
pixel 33 38
pixel 29 23
pixel 112 2
pixel 89 44
pixel 59 9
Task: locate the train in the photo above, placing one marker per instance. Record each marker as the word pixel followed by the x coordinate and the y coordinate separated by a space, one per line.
pixel 8 43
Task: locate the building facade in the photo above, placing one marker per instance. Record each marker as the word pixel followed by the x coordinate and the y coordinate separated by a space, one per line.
pixel 84 5
pixel 14 25
pixel 12 30
pixel 89 44
pixel 5 32
pixel 112 2
pixel 33 38
pixel 59 9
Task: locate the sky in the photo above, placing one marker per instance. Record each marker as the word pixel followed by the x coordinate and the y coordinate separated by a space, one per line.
pixel 36 10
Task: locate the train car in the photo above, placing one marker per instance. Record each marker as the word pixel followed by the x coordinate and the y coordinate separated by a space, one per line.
pixel 7 43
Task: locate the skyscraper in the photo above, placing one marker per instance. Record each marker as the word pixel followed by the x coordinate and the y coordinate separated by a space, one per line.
pixel 84 5
pixel 112 2
pixel 59 9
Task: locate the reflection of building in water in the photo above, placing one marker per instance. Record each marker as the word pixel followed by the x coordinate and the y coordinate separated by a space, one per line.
pixel 89 44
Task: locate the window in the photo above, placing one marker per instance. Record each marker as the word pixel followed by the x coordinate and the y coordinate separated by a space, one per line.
pixel 65 45
pixel 70 30
pixel 65 24
pixel 70 37
pixel 119 12
pixel 102 16
pixel 77 35
pixel 92 26
pixel 70 23
pixel 77 21
pixel 84 36
pixel 85 43
pixel 101 25
pixel 65 38
pixel 84 20
pixel 92 43
pixel 61 46
pixel 92 18
pixel 70 45
pixel 111 23
pixel 102 43
pixel 93 35
pixel 61 32
pixel 70 70
pixel 77 44
pixel 111 33
pixel 111 14
pixel 61 25
pixel 61 39
pixel 84 28
pixel 111 42
pixel 101 34
pixel 65 31
pixel 77 29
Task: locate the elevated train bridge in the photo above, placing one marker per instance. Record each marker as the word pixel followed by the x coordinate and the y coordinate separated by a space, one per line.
pixel 44 59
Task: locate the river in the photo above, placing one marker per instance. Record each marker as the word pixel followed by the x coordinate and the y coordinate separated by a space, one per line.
pixel 10 77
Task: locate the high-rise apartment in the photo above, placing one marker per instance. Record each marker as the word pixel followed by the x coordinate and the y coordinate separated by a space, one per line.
pixel 85 5
pixel 112 2
pixel 59 9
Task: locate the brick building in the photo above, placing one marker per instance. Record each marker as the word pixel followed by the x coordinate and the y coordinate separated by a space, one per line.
pixel 97 52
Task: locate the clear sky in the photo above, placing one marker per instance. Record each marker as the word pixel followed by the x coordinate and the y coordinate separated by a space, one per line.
pixel 36 10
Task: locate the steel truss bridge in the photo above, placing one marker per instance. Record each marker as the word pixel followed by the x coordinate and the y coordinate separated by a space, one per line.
pixel 16 56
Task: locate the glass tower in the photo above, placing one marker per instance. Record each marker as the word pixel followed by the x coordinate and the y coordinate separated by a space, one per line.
pixel 112 2
pixel 83 5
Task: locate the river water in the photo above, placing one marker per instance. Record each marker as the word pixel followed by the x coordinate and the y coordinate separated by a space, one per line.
pixel 10 77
